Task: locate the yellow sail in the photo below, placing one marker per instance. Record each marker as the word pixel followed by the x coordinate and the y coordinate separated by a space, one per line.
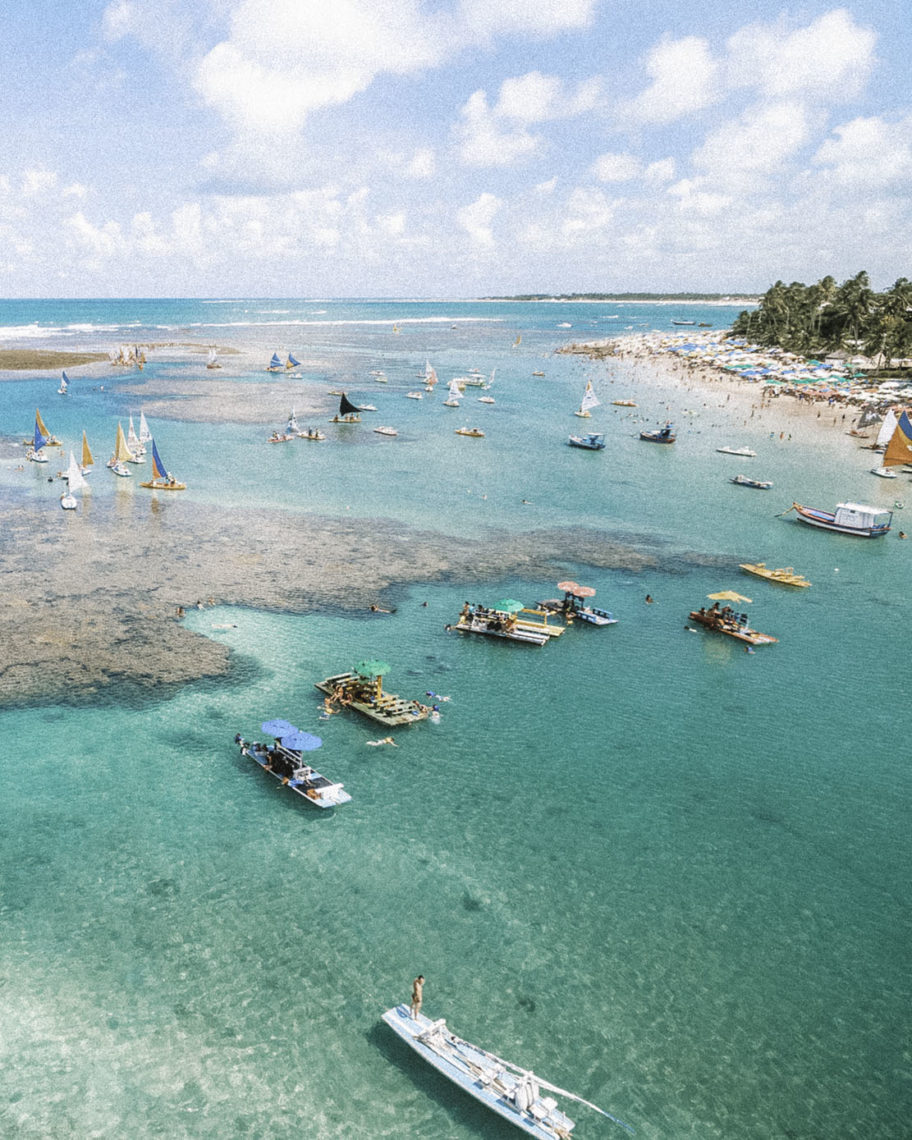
pixel 899 449
pixel 87 460
pixel 121 451
pixel 40 422
pixel 518 341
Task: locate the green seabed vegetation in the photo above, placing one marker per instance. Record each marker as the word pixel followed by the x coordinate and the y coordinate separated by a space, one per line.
pixel 825 318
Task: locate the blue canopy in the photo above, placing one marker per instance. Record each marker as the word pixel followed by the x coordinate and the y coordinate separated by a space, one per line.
pixel 278 728
pixel 299 741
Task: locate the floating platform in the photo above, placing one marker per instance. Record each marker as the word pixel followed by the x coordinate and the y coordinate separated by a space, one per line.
pixel 353 691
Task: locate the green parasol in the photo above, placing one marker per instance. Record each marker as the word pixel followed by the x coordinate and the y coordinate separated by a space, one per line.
pixel 508 606
pixel 371 668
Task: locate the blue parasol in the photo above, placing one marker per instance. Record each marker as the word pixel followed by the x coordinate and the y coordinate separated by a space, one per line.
pixel 299 741
pixel 277 728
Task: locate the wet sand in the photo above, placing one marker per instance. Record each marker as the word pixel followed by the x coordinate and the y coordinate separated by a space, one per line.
pixel 41 360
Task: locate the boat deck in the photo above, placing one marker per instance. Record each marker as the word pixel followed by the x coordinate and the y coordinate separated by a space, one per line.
pixel 389 709
pixel 715 623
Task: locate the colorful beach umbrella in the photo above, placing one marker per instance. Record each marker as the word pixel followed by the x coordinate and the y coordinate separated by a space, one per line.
pixel 728 596
pixel 568 586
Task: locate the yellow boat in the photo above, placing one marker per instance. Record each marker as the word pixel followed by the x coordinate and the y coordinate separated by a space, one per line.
pixel 785 576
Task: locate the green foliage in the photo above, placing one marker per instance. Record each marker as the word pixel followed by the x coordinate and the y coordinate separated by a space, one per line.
pixel 815 319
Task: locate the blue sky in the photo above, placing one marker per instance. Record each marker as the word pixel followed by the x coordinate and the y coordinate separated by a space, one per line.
pixel 457 148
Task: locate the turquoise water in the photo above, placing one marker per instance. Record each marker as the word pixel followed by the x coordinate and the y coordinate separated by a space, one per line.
pixel 669 875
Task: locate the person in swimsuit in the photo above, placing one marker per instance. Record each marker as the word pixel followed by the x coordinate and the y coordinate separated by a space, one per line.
pixel 417 995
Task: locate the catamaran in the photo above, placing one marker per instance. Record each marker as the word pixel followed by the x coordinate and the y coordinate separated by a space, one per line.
pixel 161 480
pixel 511 1091
pixel 75 482
pixel 588 402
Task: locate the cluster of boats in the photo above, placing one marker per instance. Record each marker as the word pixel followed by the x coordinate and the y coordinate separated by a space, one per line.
pixel 510 620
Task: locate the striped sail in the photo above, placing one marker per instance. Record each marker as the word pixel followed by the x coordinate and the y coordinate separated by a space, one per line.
pixel 899 449
pixel 158 468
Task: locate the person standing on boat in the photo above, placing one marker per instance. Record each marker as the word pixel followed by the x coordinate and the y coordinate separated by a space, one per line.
pixel 417 995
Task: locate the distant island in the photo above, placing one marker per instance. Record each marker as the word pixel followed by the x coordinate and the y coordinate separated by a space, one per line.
pixel 732 298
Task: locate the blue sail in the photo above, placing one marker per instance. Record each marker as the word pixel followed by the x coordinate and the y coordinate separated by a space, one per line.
pixel 64 377
pixel 39 440
pixel 158 468
pixel 275 362
pixel 293 362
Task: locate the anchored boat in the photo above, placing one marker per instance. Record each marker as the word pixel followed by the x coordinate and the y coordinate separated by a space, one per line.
pixel 285 761
pixel 660 435
pixel 594 441
pixel 743 481
pixel 745 451
pixel 361 689
pixel 848 518
pixel 732 624
pixel 512 1092
pixel 785 575
pixel 503 620
pixel 574 604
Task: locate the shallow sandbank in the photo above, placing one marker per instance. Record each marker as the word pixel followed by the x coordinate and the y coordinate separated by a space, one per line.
pixel 43 359
pixel 96 608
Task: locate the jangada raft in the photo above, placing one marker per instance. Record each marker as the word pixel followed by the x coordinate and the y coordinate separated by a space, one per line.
pixel 848 518
pixel 732 624
pixel 512 1092
pixel 362 690
pixel 285 761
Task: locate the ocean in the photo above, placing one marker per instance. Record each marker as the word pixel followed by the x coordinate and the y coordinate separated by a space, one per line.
pixel 664 873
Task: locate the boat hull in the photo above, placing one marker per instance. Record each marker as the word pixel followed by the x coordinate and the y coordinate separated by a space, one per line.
pixel 656 437
pixel 824 520
pixel 587 443
pixel 474 1071
pixel 316 788
pixel 732 629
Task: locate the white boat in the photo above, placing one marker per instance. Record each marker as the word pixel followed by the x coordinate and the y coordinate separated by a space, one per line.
pixel 381 378
pixel 454 395
pixel 291 428
pixel 144 433
pixel 386 431
pixel 884 472
pixel 588 402
pixel 509 1090
pixel 415 395
pixel 285 762
pixel 64 384
pixel 486 399
pixel 212 360
pixel 137 449
pixel 848 518
pixel 367 408
pixel 75 482
pixel 745 451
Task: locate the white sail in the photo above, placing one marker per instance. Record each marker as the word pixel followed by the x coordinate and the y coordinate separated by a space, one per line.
pixel 886 429
pixel 132 438
pixel 455 391
pixel 590 400
pixel 144 434
pixel 75 478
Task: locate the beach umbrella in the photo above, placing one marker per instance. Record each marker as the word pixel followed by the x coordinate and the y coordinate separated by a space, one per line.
pixel 277 728
pixel 508 606
pixel 728 596
pixel 371 668
pixel 299 741
pixel 585 591
pixel 568 587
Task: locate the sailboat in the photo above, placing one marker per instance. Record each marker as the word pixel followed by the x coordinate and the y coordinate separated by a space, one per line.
pixel 292 362
pixel 275 365
pixel 430 376
pixel 212 359
pixel 137 451
pixel 75 482
pixel 144 434
pixel 161 480
pixel 347 413
pixel 87 460
pixel 454 395
pixel 64 384
pixel 50 440
pixel 291 428
pixel 518 341
pixel 899 447
pixel 34 453
pixel 589 401
pixel 121 456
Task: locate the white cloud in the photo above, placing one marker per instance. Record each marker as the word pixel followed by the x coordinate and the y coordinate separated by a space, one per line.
pixel 868 153
pixel 537 98
pixel 755 145
pixel 693 198
pixel 38 181
pixel 616 167
pixel 423 163
pixel 661 171
pixel 477 218
pixel 830 58
pixel 546 187
pixel 538 18
pixel 486 141
pixel 685 78
pixel 588 211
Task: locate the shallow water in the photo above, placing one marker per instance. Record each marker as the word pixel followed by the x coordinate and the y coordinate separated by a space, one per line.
pixel 670 875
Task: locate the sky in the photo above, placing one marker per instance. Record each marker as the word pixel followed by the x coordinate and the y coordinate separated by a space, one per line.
pixel 460 148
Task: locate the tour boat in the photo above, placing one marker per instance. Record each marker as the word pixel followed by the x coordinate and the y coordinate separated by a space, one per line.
pixel 743 481
pixel 285 761
pixel 731 624
pixel 594 441
pixel 848 518
pixel 511 1091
